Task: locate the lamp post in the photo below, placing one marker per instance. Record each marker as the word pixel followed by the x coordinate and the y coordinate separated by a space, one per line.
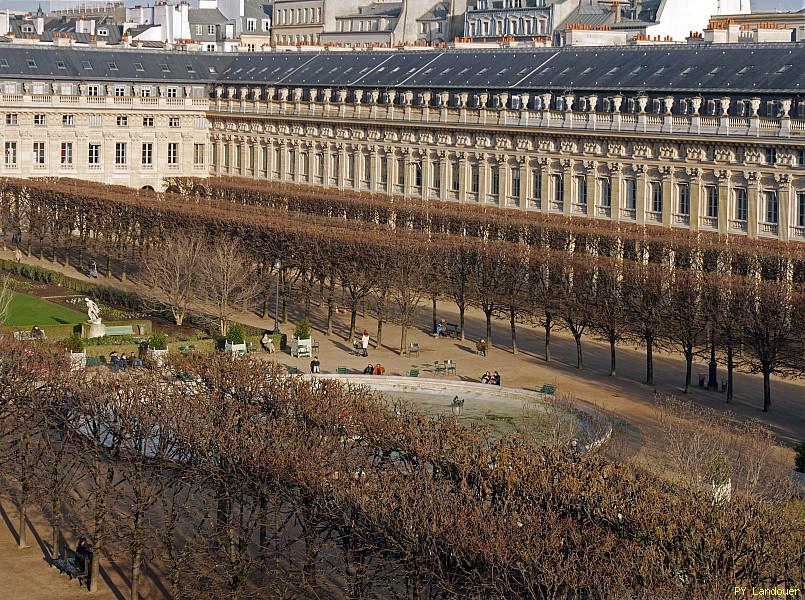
pixel 277 266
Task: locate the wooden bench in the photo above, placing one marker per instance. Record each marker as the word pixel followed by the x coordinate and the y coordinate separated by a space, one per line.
pixel 451 329
pixel 73 565
pixel 119 330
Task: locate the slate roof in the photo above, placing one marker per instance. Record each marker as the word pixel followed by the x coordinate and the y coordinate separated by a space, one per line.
pixel 745 68
pixel 205 16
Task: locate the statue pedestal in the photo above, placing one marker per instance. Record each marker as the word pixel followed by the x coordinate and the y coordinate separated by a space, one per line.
pixel 93 330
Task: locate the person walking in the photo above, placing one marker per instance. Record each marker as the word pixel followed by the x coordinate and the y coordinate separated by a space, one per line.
pixel 365 342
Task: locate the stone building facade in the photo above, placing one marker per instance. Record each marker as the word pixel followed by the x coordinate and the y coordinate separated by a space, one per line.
pixel 727 161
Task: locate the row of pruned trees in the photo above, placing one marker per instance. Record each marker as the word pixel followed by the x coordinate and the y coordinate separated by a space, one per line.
pixel 671 301
pixel 237 480
pixel 534 228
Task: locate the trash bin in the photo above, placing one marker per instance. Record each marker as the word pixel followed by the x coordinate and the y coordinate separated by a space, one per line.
pixel 702 377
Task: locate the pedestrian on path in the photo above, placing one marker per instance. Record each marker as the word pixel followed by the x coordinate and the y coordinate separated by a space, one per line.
pixel 315 365
pixel 365 342
pixel 17 255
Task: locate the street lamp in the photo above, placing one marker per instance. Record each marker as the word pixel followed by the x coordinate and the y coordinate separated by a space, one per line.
pixel 277 266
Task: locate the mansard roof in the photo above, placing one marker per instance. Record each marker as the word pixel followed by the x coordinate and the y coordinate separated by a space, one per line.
pixel 744 68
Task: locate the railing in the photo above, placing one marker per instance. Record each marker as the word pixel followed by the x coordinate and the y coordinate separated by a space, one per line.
pixel 770 228
pixel 737 225
pixel 603 211
pixel 709 222
pixel 653 217
pixel 798 232
pixel 681 219
pixel 629 214
pixel 492 117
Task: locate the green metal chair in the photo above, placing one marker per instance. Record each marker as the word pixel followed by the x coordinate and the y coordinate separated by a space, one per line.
pixel 439 368
pixel 450 366
pixel 413 373
pixel 341 370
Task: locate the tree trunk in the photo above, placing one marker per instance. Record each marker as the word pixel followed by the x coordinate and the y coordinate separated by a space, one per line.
pixel 688 365
pixel 513 323
pixel 353 317
pixel 488 313
pixel 23 525
pixel 433 308
pixel 404 340
pixel 380 316
pixel 55 509
pixel 766 388
pixel 461 310
pixel 548 326
pixel 612 365
pixel 136 560
pixel 579 359
pixel 330 300
pixel 649 359
pixel 730 367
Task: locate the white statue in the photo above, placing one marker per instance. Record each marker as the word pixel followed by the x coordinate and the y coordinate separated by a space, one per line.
pixel 93 312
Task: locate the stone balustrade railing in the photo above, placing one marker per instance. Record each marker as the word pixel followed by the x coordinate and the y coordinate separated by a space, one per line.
pixel 292 104
pixel 146 102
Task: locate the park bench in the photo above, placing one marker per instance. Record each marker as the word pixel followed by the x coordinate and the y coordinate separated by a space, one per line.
pixel 73 565
pixel 547 390
pixel 451 329
pixel 96 361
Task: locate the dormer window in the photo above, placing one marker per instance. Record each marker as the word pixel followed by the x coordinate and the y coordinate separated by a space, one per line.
pixel 60 64
pixel 112 66
pixel 87 66
pixel 27 29
pixel 31 63
pixel 139 67
pixel 103 32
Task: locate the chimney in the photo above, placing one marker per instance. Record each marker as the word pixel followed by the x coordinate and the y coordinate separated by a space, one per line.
pixel 617 10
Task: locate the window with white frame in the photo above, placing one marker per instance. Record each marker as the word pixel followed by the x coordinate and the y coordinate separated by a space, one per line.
pixel 494 180
pixel 66 156
pixel 515 191
pixel 122 121
pixel 39 119
pixel 251 24
pixel 684 199
pixel 656 196
pixel 711 201
pixel 741 204
pixel 198 154
pixel 173 153
pixel 94 154
pixel 147 153
pixel 11 154
pixel 771 202
pixel 581 189
pixel 172 92
pixel 39 153
pixel 455 175
pixel 800 209
pixel 120 91
pixel 173 122
pixel 605 185
pixel 11 118
pixel 631 193
pixel 148 121
pixel 120 153
pixel 93 90
pixel 95 120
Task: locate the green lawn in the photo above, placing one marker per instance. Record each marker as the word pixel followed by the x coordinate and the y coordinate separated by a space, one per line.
pixel 28 310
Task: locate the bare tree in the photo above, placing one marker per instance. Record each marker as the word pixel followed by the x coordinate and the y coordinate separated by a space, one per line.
pixel 6 296
pixel 174 268
pixel 230 279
